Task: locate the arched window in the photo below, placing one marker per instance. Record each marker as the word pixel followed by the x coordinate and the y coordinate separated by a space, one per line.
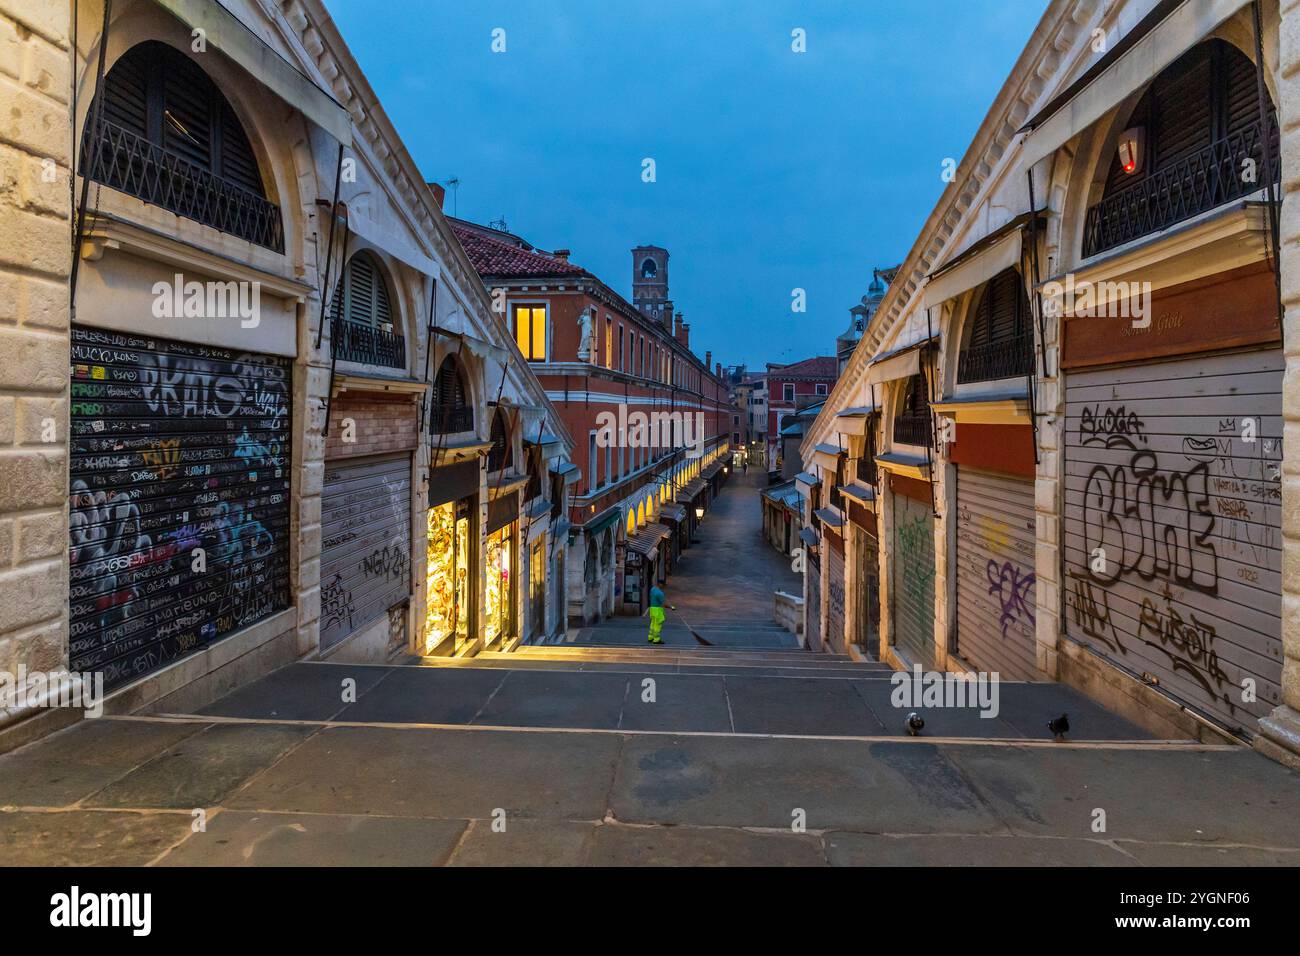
pixel 501 455
pixel 452 411
pixel 648 269
pixel 999 340
pixel 912 420
pixel 168 136
pixel 363 327
pixel 1182 149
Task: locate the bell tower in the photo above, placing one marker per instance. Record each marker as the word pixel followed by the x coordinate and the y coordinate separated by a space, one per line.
pixel 650 284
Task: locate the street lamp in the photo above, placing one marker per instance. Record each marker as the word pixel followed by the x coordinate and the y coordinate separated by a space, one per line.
pixel 699 514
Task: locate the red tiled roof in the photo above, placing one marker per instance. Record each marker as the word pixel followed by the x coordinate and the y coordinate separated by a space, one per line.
pixel 820 366
pixel 509 255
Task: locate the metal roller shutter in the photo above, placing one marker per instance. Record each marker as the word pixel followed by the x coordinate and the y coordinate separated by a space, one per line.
pixel 995 573
pixel 912 583
pixel 834 595
pixel 813 603
pixel 365 565
pixel 1172 532
pixel 175 447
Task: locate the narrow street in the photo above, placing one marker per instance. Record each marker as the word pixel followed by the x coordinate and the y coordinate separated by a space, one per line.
pixel 610 752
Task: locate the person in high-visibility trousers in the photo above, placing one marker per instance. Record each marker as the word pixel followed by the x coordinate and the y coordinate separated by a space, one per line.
pixel 656 614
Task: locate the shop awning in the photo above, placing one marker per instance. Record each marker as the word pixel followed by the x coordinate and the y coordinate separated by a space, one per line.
pixel 567 471
pixel 646 541
pixel 227 33
pixel 910 466
pixel 806 483
pixel 986 258
pixel 861 494
pixel 691 490
pixel 1000 408
pixel 712 470
pixel 809 537
pixel 672 512
pixel 541 441
pixel 1153 43
pixel 602 521
pixel 478 347
pixel 829 517
pixel 827 456
pixel 901 362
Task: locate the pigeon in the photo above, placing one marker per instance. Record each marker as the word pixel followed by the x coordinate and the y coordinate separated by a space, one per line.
pixel 1059 726
pixel 914 724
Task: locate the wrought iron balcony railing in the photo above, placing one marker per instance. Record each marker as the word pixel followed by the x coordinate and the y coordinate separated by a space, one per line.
pixel 1207 178
pixel 1007 358
pixel 129 163
pixel 451 419
pixel 356 342
pixel 913 429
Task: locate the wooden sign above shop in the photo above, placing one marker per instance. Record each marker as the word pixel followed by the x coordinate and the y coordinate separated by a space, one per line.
pixel 1225 310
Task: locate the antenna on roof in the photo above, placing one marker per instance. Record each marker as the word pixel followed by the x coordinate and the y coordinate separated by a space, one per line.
pixel 454 183
pixel 499 225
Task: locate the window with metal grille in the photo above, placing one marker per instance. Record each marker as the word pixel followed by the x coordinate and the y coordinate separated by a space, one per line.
pixel 363 329
pixel 1202 122
pixel 452 411
pixel 912 422
pixel 168 136
pixel 1000 341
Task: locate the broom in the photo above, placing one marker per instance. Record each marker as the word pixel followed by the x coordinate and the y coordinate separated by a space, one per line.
pixel 694 633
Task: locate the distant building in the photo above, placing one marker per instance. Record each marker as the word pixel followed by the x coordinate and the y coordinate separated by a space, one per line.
pixel 792 387
pixel 860 315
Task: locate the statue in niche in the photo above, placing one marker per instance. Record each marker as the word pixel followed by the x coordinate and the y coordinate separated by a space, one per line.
pixel 586 334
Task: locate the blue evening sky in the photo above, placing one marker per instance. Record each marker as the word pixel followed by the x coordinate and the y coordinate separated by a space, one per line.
pixel 775 170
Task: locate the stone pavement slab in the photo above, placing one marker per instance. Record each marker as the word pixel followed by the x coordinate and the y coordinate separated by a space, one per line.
pixel 799 705
pixel 617 845
pixel 239 838
pixel 1171 796
pixel 301 691
pixel 1175 854
pixel 74 763
pixel 554 699
pixel 202 770
pixel 426 695
pixel 526 843
pixel 681 702
pixel 875 849
pixel 448 774
pixel 760 782
pixel 88 837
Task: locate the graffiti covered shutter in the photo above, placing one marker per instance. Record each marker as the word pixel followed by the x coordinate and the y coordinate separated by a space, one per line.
pixel 1172 532
pixel 995 573
pixel 868 594
pixel 912 584
pixel 174 448
pixel 365 542
pixel 834 593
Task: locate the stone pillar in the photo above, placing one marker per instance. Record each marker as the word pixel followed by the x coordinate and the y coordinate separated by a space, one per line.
pixel 1280 731
pixel 35 214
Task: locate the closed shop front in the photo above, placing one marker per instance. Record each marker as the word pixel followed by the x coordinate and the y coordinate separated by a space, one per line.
pixel 1172 501
pixel 995 561
pixel 365 543
pixel 834 592
pixel 1172 531
pixel 452 546
pixel 911 584
pixel 866 579
pixel 813 599
pixel 179 481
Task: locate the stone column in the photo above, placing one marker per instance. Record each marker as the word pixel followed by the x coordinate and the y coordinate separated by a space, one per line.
pixel 1280 731
pixel 35 213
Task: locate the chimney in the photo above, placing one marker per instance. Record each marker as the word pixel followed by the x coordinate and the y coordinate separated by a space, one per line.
pixel 686 335
pixel 677 327
pixel 561 254
pixel 708 359
pixel 719 371
pixel 439 193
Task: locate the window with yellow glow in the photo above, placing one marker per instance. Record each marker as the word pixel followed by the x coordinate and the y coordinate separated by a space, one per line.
pixel 530 331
